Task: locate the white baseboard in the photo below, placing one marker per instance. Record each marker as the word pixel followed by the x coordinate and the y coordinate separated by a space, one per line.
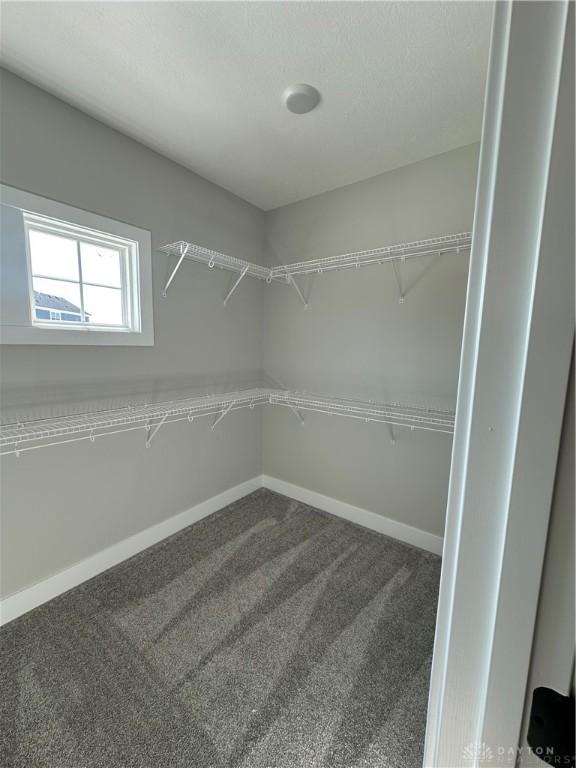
pixel 407 533
pixel 21 602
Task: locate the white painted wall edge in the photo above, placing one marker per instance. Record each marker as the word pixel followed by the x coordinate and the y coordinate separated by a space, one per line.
pixel 21 602
pixel 372 520
pixel 511 392
pixel 31 597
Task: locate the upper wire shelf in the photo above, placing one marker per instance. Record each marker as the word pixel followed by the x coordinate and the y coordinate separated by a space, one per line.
pixel 183 250
pixel 287 273
pixel 357 259
pixel 42 433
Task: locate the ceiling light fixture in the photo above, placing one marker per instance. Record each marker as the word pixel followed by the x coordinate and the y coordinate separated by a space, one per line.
pixel 300 99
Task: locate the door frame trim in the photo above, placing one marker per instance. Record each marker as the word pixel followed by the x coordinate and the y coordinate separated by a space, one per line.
pixel 518 338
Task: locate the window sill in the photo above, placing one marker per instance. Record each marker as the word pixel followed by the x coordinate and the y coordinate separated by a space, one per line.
pixel 27 334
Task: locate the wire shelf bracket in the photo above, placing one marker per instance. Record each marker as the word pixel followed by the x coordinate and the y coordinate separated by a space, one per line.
pixel 398 276
pixel 219 418
pixel 298 414
pixel 152 433
pixel 235 285
pixel 184 248
pixel 292 280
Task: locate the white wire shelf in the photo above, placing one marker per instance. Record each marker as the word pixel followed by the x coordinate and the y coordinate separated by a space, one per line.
pixel 287 273
pixel 393 414
pixel 43 433
pixel 183 250
pixel 355 260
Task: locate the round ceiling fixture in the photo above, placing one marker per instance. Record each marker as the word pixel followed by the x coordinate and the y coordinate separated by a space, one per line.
pixel 300 99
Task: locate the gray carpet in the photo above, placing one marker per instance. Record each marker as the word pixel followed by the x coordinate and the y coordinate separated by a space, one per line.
pixel 269 635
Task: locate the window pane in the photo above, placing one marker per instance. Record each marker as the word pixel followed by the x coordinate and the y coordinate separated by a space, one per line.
pixel 52 255
pixel 56 296
pixel 103 305
pixel 100 265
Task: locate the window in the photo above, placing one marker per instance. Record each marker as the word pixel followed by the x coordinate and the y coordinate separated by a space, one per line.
pixel 86 279
pixel 80 277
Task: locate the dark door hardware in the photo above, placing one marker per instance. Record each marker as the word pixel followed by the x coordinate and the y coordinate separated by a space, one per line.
pixel 551 728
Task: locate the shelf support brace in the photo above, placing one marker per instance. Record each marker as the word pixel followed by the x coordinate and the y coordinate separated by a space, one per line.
pixel 236 284
pixel 392 434
pixel 398 277
pixel 151 435
pixel 293 282
pixel 220 416
pixel 297 413
pixel 183 253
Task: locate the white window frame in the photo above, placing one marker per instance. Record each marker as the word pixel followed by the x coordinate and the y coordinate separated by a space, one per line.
pixel 19 325
pixel 129 273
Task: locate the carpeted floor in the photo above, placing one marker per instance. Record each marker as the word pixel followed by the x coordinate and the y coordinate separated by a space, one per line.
pixel 269 635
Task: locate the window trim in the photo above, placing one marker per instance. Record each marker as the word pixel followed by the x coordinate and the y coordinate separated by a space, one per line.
pixel 39 213
pixel 129 282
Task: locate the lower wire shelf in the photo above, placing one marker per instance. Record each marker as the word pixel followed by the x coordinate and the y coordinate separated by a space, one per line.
pixel 23 436
pixel 412 417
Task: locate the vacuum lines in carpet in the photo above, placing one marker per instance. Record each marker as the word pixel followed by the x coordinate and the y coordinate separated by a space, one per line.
pixel 268 635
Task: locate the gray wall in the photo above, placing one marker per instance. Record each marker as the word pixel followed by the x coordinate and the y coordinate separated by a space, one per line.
pixel 61 505
pixel 356 339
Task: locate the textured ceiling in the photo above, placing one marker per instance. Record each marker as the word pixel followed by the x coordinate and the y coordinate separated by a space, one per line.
pixel 201 82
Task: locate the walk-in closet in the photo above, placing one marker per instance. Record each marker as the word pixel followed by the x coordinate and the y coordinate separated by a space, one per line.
pixel 249 258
